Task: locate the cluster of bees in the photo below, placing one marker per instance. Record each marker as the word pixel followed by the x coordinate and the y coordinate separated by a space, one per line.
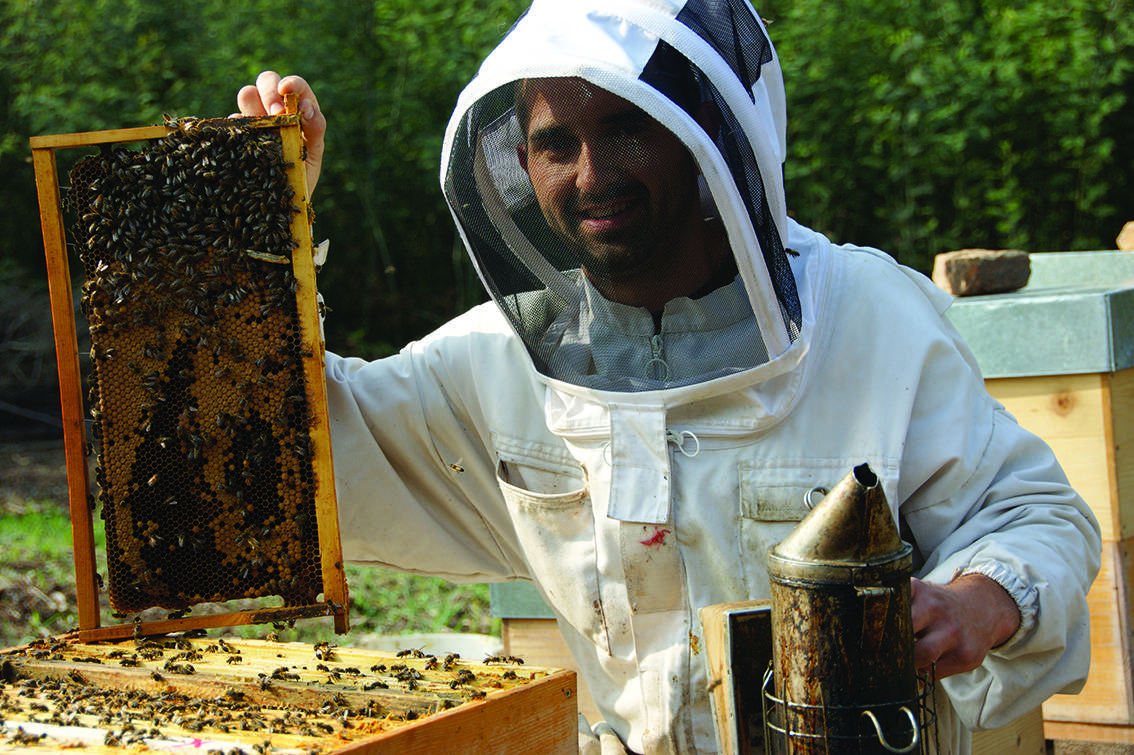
pixel 196 385
pixel 52 683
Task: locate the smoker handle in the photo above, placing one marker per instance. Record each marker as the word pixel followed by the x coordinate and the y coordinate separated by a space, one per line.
pixel 882 737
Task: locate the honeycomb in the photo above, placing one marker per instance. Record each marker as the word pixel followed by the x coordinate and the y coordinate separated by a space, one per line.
pixel 200 407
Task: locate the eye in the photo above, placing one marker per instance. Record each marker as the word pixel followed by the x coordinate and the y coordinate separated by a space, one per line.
pixel 553 143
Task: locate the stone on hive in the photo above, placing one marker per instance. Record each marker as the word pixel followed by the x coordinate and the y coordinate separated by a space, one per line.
pixel 970 272
pixel 1125 240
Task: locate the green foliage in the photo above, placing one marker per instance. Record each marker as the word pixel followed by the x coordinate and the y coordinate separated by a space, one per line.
pixel 37 579
pixel 915 127
pixel 921 128
pixel 387 74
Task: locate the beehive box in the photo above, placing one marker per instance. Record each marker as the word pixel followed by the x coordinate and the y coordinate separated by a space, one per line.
pixel 1059 354
pixel 205 388
pixel 212 695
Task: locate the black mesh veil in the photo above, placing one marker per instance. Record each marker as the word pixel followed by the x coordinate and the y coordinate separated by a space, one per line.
pixel 535 249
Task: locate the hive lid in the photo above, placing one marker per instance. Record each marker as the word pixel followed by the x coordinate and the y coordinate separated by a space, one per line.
pixel 1075 316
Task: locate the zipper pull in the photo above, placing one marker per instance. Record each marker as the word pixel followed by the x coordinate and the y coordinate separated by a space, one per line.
pixel 657 361
pixel 680 439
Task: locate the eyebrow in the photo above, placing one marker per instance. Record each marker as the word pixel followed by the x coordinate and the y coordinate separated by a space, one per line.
pixel 547 133
pixel 631 115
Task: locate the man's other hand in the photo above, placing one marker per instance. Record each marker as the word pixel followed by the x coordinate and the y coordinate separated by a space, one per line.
pixel 955 625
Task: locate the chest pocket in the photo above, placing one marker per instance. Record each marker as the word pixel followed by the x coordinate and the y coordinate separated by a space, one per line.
pixel 551 510
pixel 774 496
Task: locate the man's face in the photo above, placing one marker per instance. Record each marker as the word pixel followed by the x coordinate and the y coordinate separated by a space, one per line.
pixel 615 184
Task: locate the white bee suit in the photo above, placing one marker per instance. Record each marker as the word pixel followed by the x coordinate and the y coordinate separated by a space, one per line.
pixel 636 469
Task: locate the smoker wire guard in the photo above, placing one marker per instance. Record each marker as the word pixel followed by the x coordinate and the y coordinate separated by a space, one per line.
pixel 921 713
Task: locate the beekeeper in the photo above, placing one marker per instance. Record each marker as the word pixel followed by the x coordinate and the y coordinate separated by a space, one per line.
pixel 669 365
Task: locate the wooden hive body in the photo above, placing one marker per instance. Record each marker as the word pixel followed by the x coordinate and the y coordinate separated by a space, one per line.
pixel 260 696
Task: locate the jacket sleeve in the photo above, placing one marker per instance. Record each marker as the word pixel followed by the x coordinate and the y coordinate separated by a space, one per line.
pixel 414 472
pixel 981 494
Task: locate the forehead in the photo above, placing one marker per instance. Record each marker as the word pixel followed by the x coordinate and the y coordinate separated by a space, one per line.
pixel 567 102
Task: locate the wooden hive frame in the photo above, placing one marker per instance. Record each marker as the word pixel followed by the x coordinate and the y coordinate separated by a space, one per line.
pixel 334 590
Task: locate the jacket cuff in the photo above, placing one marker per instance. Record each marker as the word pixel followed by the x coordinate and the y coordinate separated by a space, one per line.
pixel 1025 596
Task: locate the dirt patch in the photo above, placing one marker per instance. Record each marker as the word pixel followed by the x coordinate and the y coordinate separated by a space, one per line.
pixel 32 474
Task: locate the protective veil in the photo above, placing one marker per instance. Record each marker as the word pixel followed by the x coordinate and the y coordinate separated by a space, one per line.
pixel 643 53
pixel 634 454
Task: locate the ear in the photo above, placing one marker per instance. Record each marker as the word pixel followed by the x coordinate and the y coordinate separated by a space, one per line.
pixel 522 155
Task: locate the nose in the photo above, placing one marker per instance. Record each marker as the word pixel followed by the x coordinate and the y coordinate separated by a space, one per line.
pixel 595 167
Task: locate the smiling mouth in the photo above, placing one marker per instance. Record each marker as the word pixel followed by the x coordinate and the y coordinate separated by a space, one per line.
pixel 607 211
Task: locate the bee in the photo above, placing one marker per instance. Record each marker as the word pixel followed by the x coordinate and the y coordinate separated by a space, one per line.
pixel 464 676
pixel 503 659
pixel 410 653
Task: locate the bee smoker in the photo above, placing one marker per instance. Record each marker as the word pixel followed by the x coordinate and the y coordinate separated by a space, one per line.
pixel 843 667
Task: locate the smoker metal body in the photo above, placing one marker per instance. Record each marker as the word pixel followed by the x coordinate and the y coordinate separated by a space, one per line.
pixel 843 667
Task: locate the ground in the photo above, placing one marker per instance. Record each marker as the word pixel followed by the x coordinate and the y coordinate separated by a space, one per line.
pixel 33 479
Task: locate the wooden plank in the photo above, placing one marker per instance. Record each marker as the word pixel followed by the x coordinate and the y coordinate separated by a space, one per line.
pixel 70 385
pixel 542 720
pixel 139 134
pixel 538 641
pixel 1120 390
pixel 1053 406
pixel 738 652
pixel 93 138
pixel 1024 736
pixel 266 615
pixel 1072 414
pixel 311 333
pixel 1107 696
pixel 1076 731
pixel 714 629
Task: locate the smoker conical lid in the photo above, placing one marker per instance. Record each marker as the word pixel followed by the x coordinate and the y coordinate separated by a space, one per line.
pixel 852 525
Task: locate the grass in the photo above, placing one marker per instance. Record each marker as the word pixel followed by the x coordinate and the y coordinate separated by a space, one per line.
pixel 38 597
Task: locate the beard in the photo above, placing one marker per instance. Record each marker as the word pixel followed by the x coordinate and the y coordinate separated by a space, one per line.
pixel 620 254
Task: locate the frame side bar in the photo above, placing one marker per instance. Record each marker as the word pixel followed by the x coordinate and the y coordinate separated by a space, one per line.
pixel 70 384
pixel 303 267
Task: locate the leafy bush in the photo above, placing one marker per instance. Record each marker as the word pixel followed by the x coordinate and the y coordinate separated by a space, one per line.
pixel 915 127
pixel 925 127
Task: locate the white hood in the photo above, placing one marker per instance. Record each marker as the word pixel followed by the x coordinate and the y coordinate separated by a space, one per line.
pixel 643 52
